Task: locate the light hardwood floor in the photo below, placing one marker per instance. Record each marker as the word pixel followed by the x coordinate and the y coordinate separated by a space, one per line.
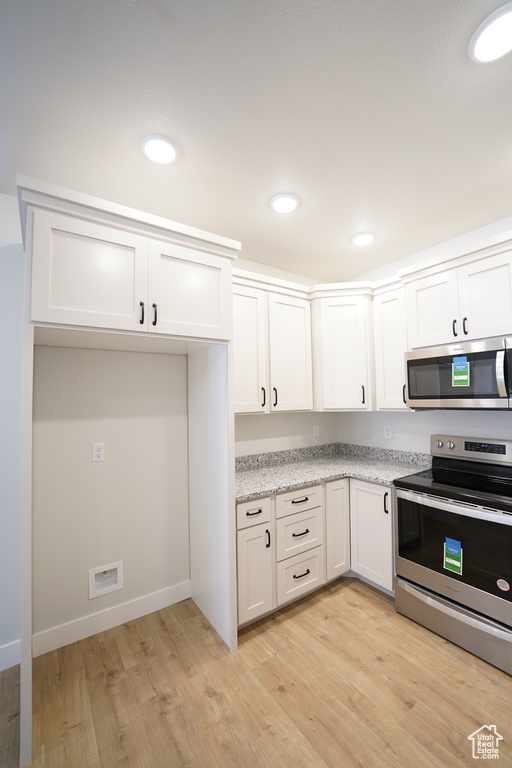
pixel 338 679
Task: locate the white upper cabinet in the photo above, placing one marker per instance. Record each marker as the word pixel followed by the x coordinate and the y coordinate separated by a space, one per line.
pixel 291 386
pixel 271 351
pixel 390 335
pixel 100 265
pixel 343 352
pixel 471 301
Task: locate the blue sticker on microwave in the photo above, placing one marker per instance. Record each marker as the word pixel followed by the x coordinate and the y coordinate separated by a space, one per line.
pixel 460 372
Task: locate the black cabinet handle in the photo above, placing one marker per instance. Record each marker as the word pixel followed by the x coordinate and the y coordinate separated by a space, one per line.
pixel 300 501
pixel 251 514
pixel 142 313
pixel 454 328
pixel 301 575
pixel 274 390
pixel 267 545
pixel 464 326
pixel 296 535
pixel 155 316
pixel 264 397
pixel 386 510
pixel 403 394
pixel 363 393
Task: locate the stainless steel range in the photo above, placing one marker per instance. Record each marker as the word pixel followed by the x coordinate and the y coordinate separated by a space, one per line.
pixel 453 555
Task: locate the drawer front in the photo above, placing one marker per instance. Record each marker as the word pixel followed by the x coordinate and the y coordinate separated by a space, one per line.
pixel 300 574
pixel 297 501
pixel 299 532
pixel 253 512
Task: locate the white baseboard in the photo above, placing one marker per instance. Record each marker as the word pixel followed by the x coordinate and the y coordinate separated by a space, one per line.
pixel 10 655
pixel 64 634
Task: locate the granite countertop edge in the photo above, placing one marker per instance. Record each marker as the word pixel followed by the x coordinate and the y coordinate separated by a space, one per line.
pixel 268 474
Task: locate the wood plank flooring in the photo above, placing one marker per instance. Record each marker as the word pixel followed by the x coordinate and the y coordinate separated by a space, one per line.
pixel 338 679
pixel 10 717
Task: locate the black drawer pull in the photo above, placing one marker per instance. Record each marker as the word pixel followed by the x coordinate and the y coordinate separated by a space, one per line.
pixel 251 514
pixel 267 545
pixel 386 510
pixel 464 326
pixel 301 575
pixel 155 317
pixel 454 328
pixel 300 501
pixel 363 394
pixel 296 535
pixel 274 389
pixel 264 397
pixel 142 313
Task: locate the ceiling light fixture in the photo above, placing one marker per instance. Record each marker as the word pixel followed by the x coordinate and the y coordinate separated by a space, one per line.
pixel 493 38
pixel 159 148
pixel 363 238
pixel 284 203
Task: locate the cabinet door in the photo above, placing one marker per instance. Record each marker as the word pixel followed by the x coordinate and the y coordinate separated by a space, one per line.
pixel 344 371
pixel 433 310
pixel 371 532
pixel 390 334
pixel 485 297
pixel 250 351
pixel 255 572
pixel 337 528
pixel 291 387
pixel 189 292
pixel 87 274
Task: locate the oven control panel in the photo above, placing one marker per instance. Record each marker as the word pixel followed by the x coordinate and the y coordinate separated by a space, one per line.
pixel 496 451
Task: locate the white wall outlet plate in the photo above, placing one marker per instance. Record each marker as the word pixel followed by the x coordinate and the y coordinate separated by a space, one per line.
pixel 98 451
pixel 105 579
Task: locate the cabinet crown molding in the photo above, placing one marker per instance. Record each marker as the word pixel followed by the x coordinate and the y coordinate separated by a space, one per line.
pixel 40 194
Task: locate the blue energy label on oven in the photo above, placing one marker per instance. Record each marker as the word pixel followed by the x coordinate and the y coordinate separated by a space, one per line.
pixel 452 560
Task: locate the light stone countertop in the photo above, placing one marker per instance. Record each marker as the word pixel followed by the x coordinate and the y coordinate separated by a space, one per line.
pixel 266 477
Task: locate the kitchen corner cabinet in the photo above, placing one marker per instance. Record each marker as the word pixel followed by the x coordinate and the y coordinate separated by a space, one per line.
pixel 92 274
pixel 390 335
pixel 337 527
pixel 271 351
pixel 343 352
pixel 470 301
pixel 371 532
pixel 255 559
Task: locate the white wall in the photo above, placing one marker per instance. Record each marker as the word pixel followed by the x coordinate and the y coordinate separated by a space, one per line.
pixel 11 302
pixel 12 263
pixel 262 433
pixel 411 430
pixel 131 507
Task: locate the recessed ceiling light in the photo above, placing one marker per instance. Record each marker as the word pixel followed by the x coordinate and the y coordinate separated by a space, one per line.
pixel 493 38
pixel 363 238
pixel 284 203
pixel 159 148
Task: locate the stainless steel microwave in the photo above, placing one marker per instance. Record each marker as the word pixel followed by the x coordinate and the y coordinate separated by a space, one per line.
pixel 474 374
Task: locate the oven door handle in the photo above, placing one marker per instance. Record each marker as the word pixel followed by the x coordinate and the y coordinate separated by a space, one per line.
pixel 479 624
pixel 457 507
pixel 500 373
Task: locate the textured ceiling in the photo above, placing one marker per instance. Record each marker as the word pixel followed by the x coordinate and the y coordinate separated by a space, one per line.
pixel 369 110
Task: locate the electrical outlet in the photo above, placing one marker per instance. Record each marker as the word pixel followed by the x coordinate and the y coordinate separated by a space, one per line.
pixel 98 451
pixel 316 430
pixel 387 433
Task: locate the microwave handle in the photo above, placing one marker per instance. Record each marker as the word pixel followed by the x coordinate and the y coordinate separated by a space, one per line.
pixel 500 373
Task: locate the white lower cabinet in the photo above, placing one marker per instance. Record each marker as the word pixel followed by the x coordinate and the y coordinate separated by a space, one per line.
pixel 255 560
pixel 337 527
pixel 371 532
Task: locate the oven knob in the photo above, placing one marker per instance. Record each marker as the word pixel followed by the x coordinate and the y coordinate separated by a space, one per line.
pixel 451 445
pixel 440 443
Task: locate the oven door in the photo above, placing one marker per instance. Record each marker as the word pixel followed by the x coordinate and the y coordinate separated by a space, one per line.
pixel 462 553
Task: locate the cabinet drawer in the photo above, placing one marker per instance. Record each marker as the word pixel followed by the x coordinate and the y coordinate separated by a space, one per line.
pixel 299 532
pixel 297 501
pixel 253 512
pixel 300 574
